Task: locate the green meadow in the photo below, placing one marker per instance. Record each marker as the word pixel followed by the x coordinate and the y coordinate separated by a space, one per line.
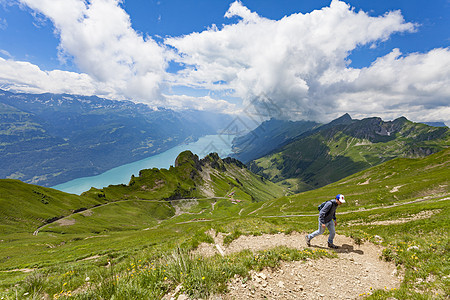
pixel 133 242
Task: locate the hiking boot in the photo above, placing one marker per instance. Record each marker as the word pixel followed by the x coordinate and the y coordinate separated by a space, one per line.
pixel 333 246
pixel 308 240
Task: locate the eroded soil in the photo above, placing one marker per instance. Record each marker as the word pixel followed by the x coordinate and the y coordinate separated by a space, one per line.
pixel 357 270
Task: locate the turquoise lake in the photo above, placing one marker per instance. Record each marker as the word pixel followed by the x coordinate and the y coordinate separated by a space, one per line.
pixel 202 147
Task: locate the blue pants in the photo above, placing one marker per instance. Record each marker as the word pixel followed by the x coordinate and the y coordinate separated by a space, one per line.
pixel 321 230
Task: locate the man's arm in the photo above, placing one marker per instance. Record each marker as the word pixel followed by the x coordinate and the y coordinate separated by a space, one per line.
pixel 334 218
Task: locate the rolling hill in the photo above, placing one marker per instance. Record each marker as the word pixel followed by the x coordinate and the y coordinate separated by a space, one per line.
pixel 394 181
pixel 127 244
pixel 345 146
pixel 26 206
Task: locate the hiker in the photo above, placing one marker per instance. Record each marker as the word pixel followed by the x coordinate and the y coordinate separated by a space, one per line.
pixel 327 218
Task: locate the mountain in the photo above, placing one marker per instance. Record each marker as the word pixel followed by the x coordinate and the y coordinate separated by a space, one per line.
pixel 192 177
pixel 25 207
pixel 48 139
pixel 267 137
pixel 345 146
pixel 131 248
pixel 388 183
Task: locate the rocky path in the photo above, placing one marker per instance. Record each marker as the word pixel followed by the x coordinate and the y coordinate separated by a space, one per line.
pixel 357 271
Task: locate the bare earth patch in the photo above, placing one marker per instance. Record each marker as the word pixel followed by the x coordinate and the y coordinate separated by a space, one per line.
pixel 87 213
pixel 65 222
pixel 365 182
pixel 357 270
pixel 422 215
pixel 20 270
pixel 91 257
pixel 395 189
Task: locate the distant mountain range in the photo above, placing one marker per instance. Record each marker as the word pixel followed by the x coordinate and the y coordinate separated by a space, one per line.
pixel 48 139
pixel 435 124
pixel 326 153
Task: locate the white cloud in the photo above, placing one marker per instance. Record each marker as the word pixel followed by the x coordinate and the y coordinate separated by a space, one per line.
pixel 99 37
pixel 5 53
pixel 300 63
pixel 29 78
pixel 416 85
pixel 181 102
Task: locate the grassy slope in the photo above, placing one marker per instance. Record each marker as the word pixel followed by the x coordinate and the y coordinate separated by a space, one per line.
pixel 268 136
pixel 394 181
pixel 58 254
pixel 24 207
pixel 337 152
pixel 116 211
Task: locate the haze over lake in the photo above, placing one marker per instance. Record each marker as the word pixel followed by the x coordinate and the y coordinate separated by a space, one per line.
pixel 121 175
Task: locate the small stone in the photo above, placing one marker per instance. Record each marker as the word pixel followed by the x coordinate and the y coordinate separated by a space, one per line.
pixel 379 238
pixel 280 284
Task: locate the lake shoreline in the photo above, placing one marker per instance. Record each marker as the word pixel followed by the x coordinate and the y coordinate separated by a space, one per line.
pixel 221 144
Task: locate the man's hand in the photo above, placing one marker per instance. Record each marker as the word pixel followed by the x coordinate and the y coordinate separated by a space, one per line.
pixel 323 226
pixel 335 223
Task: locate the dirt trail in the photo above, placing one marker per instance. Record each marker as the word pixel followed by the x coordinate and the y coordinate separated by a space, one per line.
pixel 62 219
pixel 357 270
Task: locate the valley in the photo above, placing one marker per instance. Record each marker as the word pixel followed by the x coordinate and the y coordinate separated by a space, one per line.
pixel 154 245
pixel 330 152
pixel 122 174
pixel 224 150
pixel 48 139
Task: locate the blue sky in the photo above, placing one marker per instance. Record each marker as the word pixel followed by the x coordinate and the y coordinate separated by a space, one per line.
pixel 312 59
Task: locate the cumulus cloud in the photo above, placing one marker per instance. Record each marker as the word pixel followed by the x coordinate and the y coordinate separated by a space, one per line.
pixel 29 78
pixel 416 85
pixel 99 37
pixel 297 67
pixel 300 63
pixel 181 102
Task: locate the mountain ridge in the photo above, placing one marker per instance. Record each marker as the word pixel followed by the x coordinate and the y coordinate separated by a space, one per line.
pixel 192 177
pixel 344 146
pixel 268 136
pixel 49 139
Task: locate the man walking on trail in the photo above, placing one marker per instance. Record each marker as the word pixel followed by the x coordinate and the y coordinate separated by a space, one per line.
pixel 327 218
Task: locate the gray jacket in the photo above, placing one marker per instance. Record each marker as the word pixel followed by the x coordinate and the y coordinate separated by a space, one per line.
pixel 328 212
